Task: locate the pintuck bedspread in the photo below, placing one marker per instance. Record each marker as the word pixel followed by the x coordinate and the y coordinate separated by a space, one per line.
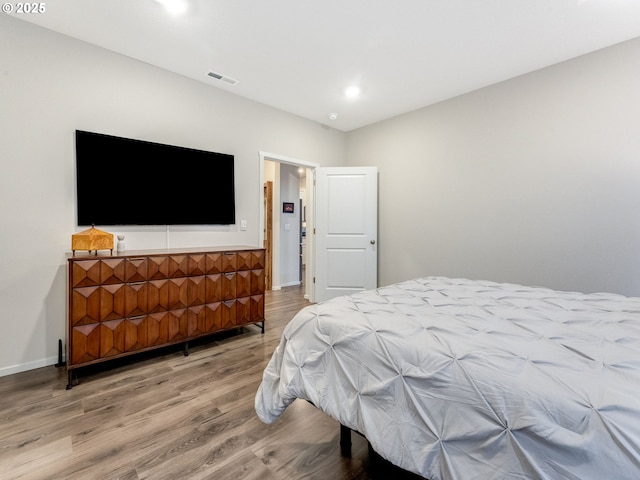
pixel 462 380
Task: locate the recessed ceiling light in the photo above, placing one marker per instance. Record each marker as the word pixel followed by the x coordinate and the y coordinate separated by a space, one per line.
pixel 333 116
pixel 174 7
pixel 352 92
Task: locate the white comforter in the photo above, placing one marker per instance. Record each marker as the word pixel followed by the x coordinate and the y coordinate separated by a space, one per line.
pixel 463 380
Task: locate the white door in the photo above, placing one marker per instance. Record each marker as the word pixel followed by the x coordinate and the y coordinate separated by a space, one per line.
pixel 346 204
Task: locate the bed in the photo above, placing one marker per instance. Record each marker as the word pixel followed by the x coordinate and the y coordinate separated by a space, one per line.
pixel 455 379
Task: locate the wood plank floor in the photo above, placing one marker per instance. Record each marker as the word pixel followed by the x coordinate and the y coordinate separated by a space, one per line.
pixel 169 416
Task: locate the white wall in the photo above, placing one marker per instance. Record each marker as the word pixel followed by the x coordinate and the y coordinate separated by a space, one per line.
pixel 51 85
pixel 289 226
pixel 535 180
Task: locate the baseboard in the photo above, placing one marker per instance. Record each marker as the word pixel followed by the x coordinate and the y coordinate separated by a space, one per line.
pixel 23 367
pixel 276 287
pixel 290 284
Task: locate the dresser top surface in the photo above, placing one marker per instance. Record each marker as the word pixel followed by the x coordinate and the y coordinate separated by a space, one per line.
pixel 85 255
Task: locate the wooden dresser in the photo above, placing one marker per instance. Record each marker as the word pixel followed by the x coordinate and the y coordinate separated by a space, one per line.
pixel 136 301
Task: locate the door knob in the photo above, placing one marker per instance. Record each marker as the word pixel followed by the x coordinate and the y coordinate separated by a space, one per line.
pixel 373 242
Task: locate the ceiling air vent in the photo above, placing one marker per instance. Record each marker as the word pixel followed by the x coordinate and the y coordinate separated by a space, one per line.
pixel 223 78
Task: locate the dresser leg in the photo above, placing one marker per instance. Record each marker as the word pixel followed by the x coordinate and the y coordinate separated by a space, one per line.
pixel 69 379
pixel 186 349
pixel 60 362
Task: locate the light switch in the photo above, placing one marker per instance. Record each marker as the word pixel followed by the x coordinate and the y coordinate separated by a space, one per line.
pixel 287 227
pixel 243 225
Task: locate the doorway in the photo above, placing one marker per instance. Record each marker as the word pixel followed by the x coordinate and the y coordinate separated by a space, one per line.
pixel 284 232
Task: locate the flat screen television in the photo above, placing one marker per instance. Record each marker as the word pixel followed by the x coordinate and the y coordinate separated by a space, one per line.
pixel 122 181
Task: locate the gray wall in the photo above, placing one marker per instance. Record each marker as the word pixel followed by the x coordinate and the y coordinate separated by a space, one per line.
pixel 535 180
pixel 51 85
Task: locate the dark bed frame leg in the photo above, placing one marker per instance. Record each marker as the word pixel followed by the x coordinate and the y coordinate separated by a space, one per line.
pixel 345 441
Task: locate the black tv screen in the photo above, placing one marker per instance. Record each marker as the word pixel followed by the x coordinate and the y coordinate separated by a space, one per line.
pixel 121 181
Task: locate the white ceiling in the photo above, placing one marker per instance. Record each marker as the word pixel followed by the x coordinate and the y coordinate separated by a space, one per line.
pixel 300 55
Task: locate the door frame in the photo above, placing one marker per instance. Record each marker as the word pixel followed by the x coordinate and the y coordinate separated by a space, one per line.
pixel 267 211
pixel 310 267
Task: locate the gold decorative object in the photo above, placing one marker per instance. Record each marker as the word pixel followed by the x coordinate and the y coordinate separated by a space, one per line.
pixel 92 239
